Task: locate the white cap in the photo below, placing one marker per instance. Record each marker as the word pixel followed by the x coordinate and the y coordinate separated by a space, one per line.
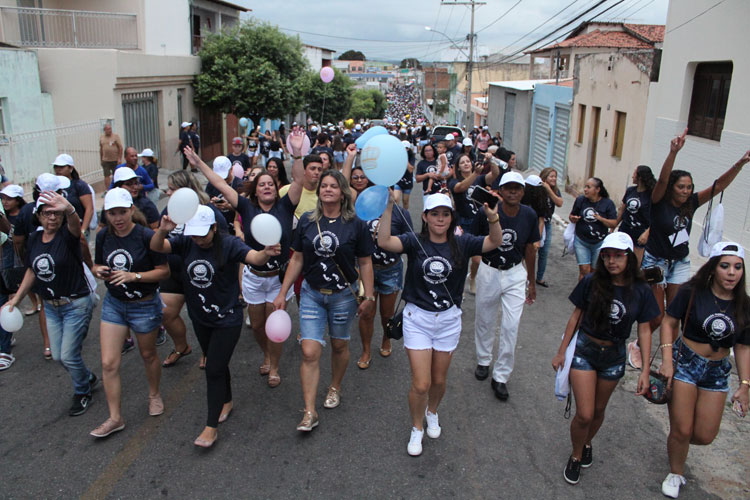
pixel 52 182
pixel 185 124
pixel 147 152
pixel 313 128
pixel 123 174
pixel 201 222
pixel 534 180
pixel 347 132
pixel 13 191
pixel 720 249
pixel 617 240
pixel 467 142
pixel 406 144
pixel 511 177
pixel 117 197
pixel 402 131
pixel 358 127
pixel 222 166
pixel 62 160
pixel 437 200
pixel 450 137
pixel 485 127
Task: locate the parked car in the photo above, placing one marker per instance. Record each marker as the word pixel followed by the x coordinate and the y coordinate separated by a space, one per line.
pixel 439 133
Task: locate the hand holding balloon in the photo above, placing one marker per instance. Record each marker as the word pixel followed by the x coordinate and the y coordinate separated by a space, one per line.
pixel 11 319
pixel 182 205
pixel 272 250
pixel 278 326
pixel 166 224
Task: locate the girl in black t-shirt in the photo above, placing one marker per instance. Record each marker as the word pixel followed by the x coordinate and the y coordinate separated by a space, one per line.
pixel 607 303
pixel 553 199
pixel 594 215
pixel 634 214
pixel 697 363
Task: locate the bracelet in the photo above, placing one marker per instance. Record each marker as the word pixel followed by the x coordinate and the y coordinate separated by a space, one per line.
pixel 665 345
pixel 370 298
pixel 496 219
pixel 297 157
pixel 71 213
pixel 745 382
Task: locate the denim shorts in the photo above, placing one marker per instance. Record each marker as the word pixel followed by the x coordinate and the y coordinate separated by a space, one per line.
pixel 587 253
pixel 142 317
pixel 701 372
pixel 607 361
pixel 318 310
pixel 390 280
pixel 405 191
pixel 676 272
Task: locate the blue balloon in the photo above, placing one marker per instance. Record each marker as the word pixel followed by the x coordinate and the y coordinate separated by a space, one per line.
pixel 384 160
pixel 262 125
pixel 250 125
pixel 243 122
pixel 275 124
pixel 371 202
pixel 371 132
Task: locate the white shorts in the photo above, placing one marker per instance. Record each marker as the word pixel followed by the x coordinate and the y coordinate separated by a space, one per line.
pixel 438 331
pixel 259 290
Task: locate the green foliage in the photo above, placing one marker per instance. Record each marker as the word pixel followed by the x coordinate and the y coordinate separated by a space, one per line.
pixel 352 55
pixel 367 104
pixel 380 104
pixel 410 62
pixel 252 70
pixel 441 105
pixel 337 94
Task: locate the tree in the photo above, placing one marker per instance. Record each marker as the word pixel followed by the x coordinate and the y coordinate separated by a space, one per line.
pixel 380 104
pixel 337 96
pixel 441 103
pixel 363 104
pixel 410 62
pixel 251 70
pixel 352 55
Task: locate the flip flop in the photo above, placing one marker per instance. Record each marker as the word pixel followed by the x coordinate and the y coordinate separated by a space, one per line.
pixel 167 364
pixel 385 352
pixel 202 364
pixel 542 284
pixel 274 381
pixel 264 370
pixel 364 365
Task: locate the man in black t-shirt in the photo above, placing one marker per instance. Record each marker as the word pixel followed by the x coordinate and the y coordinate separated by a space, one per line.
pixel 238 156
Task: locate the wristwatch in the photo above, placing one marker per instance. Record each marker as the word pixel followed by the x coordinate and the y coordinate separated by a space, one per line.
pixel 138 276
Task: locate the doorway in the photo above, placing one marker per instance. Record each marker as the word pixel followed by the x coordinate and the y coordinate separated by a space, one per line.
pixel 593 140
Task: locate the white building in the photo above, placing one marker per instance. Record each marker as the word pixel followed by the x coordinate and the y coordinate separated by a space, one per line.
pixel 318 57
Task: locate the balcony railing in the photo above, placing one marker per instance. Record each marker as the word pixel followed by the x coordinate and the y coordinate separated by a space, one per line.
pixel 27 27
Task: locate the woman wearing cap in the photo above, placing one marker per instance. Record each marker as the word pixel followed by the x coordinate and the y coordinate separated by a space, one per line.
pixel 467 148
pixel 55 267
pixel 260 283
pixel 715 311
pixel 435 276
pixel 131 272
pixel 151 165
pixel 553 199
pixel 78 193
pixel 12 270
pixel 326 244
pixel 127 179
pixel 594 215
pixel 607 303
pixel 211 260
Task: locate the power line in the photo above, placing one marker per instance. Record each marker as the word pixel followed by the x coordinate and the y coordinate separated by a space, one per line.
pixel 545 22
pixel 432 33
pixel 618 12
pixel 696 17
pixel 501 16
pixel 356 39
pixel 637 11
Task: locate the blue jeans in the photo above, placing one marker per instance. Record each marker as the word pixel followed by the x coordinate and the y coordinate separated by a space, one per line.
pixel 587 253
pixel 541 265
pixel 67 326
pixel 388 281
pixel 5 337
pixel 317 310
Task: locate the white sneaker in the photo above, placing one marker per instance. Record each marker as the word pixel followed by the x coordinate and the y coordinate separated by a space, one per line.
pixel 415 442
pixel 671 485
pixel 433 427
pixel 247 321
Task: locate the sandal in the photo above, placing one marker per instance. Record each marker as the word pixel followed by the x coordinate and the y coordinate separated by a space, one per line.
pixel 6 360
pixel 543 284
pixel 174 357
pixel 202 364
pixel 274 381
pixel 264 370
pixel 385 352
pixel 364 365
pixel 47 353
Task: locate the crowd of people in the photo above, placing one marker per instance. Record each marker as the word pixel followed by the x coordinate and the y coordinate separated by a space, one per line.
pixel 482 224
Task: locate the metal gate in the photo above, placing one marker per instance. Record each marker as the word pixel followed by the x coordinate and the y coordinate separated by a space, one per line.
pixel 508 120
pixel 560 141
pixel 540 138
pixel 140 112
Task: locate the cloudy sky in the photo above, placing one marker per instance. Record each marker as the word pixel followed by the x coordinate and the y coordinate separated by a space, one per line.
pixel 394 29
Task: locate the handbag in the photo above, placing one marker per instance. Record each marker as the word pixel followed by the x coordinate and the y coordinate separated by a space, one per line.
pixel 394 328
pixel 360 293
pixel 653 275
pixel 658 389
pixel 569 239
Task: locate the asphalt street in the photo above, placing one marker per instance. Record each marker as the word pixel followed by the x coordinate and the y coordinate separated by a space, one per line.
pixel 488 448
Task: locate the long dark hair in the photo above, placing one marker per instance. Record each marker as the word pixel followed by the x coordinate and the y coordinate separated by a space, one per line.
pixel 424 235
pixel 283 179
pixel 459 174
pixel 645 176
pixel 704 277
pixel 600 184
pixel 602 290
pixel 536 198
pixel 687 208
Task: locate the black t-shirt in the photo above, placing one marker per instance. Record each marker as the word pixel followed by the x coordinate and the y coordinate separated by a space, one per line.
pixel 196 140
pixel 435 282
pixel 211 290
pixel 518 231
pixel 452 154
pixel 345 240
pixel 407 180
pixel 184 140
pixel 24 224
pixel 465 206
pixel 399 225
pixel 628 306
pixel 131 254
pixel 588 228
pixel 424 167
pixel 148 208
pixel 319 149
pixel 666 224
pixel 550 206
pixel 212 192
pixel 283 210
pixel 57 265
pixel 706 323
pixel 175 262
pixel 242 159
pixel 73 194
pixel 637 212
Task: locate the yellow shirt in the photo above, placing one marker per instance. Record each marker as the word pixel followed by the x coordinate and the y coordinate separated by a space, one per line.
pixel 307 201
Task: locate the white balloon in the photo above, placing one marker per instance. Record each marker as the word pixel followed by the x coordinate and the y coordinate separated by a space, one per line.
pixel 266 229
pixel 182 205
pixel 11 321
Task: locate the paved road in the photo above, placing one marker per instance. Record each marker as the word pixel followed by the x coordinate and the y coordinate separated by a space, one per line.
pixel 488 449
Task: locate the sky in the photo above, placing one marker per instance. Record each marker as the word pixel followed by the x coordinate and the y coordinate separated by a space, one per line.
pixel 395 29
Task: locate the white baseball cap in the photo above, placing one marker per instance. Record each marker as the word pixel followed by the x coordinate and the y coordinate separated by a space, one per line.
pixel 201 222
pixel 52 182
pixel 13 191
pixel 406 144
pixel 358 127
pixel 123 174
pixel 62 160
pixel 222 166
pixel 534 180
pixel 147 152
pixel 450 137
pixel 485 127
pixel 313 128
pixel 467 142
pixel 185 124
pixel 511 177
pixel 725 248
pixel 437 200
pixel 618 240
pixel 117 197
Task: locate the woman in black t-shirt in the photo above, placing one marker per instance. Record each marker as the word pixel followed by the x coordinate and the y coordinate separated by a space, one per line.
pixel 607 303
pixel 594 215
pixel 698 363
pixel 634 215
pixel 553 199
pixel 427 169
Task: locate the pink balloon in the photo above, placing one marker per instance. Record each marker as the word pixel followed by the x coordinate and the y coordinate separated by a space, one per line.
pixel 305 144
pixel 326 74
pixel 237 171
pixel 278 326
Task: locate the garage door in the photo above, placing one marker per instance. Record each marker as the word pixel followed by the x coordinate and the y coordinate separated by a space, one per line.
pixel 540 138
pixel 560 142
pixel 508 119
pixel 140 112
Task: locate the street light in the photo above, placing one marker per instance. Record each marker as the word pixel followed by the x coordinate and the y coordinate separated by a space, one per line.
pixel 469 68
pixel 427 28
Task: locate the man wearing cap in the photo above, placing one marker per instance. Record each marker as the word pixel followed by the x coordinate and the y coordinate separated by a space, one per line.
pixel 452 150
pixel 223 167
pixel 502 281
pixel 185 140
pixel 131 161
pixel 237 157
pixel 110 152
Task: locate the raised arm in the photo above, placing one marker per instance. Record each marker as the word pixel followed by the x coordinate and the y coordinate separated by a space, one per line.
pixel 386 241
pixel 557 200
pixel 661 185
pixel 351 155
pixel 725 180
pixel 230 195
pixel 490 178
pixel 464 185
pixel 298 169
pixel 57 202
pixel 495 238
pixel 159 241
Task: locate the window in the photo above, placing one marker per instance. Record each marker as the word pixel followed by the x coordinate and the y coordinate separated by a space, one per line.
pixel 619 136
pixel 708 104
pixel 3 107
pixel 581 122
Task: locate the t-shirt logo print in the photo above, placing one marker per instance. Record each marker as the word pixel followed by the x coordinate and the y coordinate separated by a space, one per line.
pixel 617 312
pixel 436 270
pixel 44 265
pixel 633 205
pixel 325 244
pixel 120 260
pixel 680 222
pixel 201 273
pixel 718 326
pixel 509 239
pixel 588 215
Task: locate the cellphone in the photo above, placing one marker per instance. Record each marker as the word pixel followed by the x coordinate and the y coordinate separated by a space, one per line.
pixel 482 196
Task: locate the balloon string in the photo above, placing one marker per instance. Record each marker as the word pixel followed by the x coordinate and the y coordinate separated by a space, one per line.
pixel 322 114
